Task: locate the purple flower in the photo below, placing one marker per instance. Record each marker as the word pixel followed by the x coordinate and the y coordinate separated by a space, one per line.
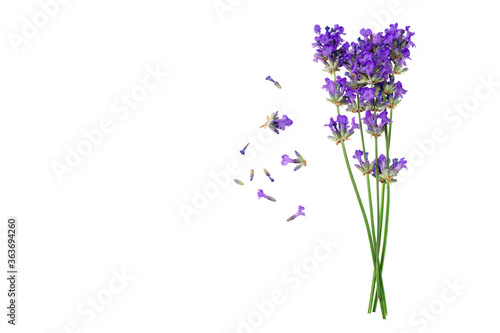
pixel 365 33
pixel 299 160
pixel 340 92
pixel 367 61
pixel 399 41
pixel 399 164
pixel 299 212
pixel 244 148
pixel 373 126
pixel 399 90
pixel 284 122
pixel 366 94
pixel 364 164
pixel 286 159
pixel 375 58
pixel 386 173
pixel 394 91
pixel 269 78
pixel 329 47
pixel 261 194
pixel 274 123
pixel 330 86
pixel 384 120
pixel 341 131
pixel 268 175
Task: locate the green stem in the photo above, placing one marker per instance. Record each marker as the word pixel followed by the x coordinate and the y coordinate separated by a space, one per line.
pixel 361 128
pixel 367 226
pixel 380 289
pixel 367 176
pixel 380 284
pixel 386 226
pixel 368 185
pixel 379 230
pixel 388 130
pixel 390 133
pixel 377 183
pixel 386 229
pixel 373 230
pixel 388 143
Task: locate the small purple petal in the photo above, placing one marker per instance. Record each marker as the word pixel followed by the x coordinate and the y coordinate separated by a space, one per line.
pixel 286 159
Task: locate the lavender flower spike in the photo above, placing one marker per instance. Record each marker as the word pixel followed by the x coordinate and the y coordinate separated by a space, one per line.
pixel 244 148
pixel 330 47
pixel 364 165
pixel 341 131
pixel 386 173
pixel 269 175
pixel 299 212
pixel 269 78
pixel 372 121
pixel 261 194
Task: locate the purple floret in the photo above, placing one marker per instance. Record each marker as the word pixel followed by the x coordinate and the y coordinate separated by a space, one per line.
pixel 299 213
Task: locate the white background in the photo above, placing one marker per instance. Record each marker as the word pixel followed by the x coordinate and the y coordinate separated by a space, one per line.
pixel 120 208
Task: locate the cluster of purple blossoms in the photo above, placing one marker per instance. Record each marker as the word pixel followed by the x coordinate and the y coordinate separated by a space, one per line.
pixel 387 173
pixel 371 64
pixel 329 46
pixel 341 130
pixel 299 160
pixel 399 41
pixel 365 166
pixel 339 91
pixel 373 126
pixel 394 92
pixel 276 124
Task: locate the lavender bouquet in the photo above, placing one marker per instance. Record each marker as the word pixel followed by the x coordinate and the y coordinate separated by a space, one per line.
pixel 369 85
